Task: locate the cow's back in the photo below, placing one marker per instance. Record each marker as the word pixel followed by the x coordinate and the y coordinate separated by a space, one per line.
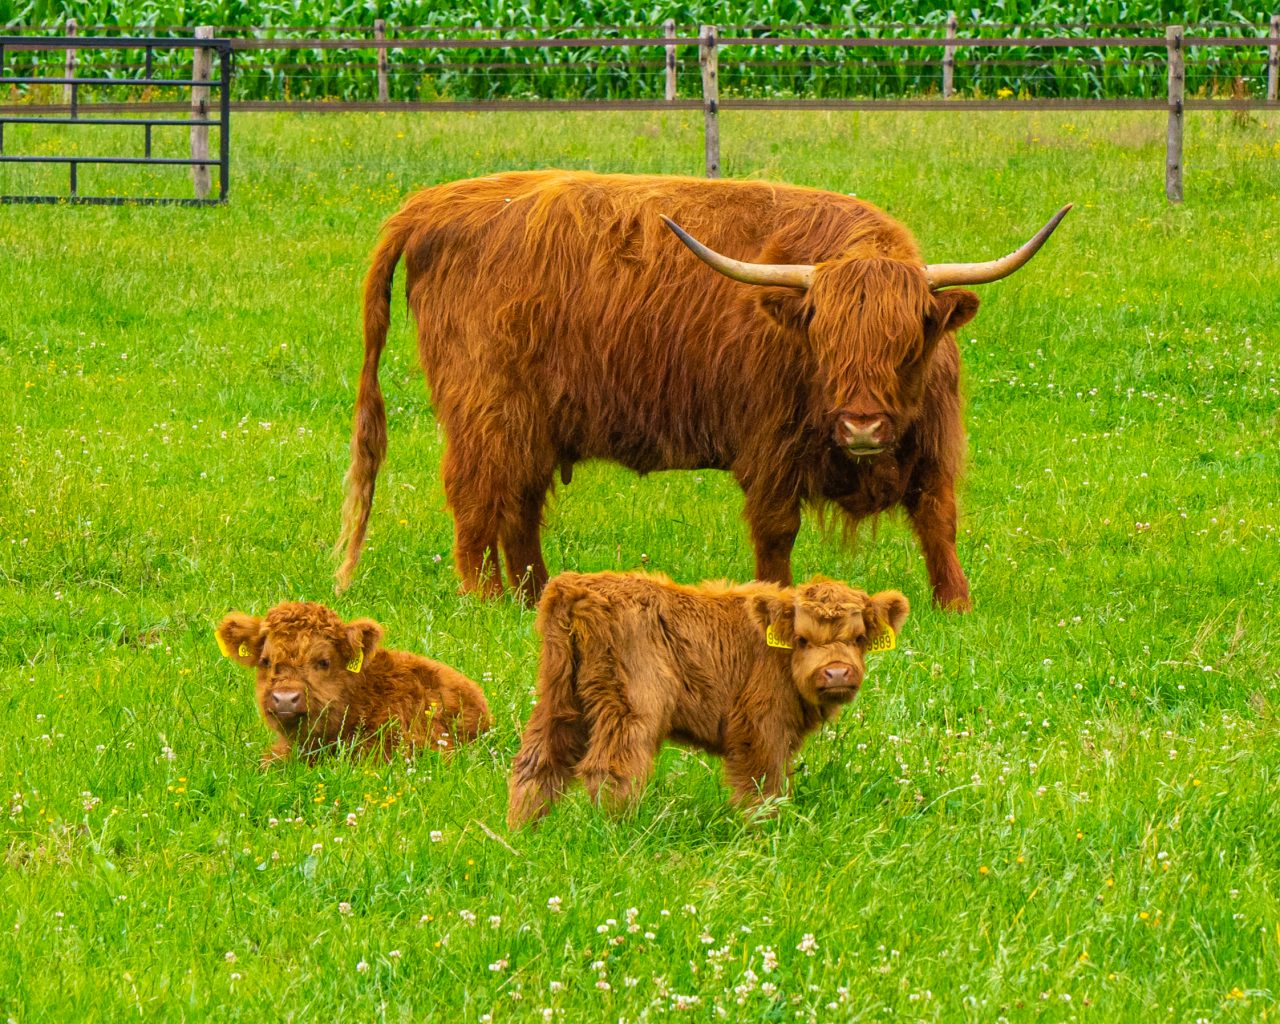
pixel 561 301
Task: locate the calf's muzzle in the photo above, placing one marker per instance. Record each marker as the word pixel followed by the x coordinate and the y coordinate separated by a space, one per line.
pixel 286 705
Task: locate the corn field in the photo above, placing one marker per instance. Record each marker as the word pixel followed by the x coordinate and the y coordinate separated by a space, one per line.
pixel 759 68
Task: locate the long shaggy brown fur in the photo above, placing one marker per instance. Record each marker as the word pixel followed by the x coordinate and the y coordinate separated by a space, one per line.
pixel 630 660
pixel 322 682
pixel 559 320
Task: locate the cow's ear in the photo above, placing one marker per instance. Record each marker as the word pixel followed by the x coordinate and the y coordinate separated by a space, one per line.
pixel 952 309
pixel 887 608
pixel 240 638
pixel 776 619
pixel 789 308
pixel 363 637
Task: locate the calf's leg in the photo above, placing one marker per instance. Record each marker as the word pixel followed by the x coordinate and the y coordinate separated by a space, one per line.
pixel 551 748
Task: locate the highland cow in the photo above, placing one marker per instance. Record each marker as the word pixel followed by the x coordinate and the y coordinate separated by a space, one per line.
pixel 744 671
pixel 559 320
pixel 323 683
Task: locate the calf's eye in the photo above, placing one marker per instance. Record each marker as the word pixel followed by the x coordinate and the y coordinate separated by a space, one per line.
pixel 801 642
pixel 861 641
pixel 264 661
pixel 322 664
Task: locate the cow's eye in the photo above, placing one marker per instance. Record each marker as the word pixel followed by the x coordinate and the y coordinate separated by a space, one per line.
pixel 861 640
pixel 322 663
pixel 801 643
pixel 264 661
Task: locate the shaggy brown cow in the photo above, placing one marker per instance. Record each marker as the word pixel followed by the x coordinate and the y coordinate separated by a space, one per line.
pixel 323 682
pixel 745 672
pixel 559 320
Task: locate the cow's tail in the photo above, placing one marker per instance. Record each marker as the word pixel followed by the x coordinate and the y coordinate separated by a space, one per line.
pixel 369 429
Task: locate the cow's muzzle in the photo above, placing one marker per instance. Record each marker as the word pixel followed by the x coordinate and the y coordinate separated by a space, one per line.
pixel 864 435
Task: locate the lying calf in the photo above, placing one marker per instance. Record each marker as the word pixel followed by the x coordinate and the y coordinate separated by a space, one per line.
pixel 322 681
pixel 745 672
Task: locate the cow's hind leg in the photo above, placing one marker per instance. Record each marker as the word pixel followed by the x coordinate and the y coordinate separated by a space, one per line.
pixel 472 498
pixel 521 536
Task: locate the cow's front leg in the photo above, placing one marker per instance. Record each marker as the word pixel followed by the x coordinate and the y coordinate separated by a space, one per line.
pixel 932 509
pixel 774 523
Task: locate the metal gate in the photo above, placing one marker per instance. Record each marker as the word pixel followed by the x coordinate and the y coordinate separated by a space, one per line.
pixel 74 112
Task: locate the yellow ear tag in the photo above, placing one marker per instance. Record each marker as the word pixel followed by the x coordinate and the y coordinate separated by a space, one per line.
pixel 355 663
pixel 773 640
pixel 244 650
pixel 222 644
pixel 886 641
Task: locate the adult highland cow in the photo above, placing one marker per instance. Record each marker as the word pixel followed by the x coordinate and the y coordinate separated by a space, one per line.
pixel 559 320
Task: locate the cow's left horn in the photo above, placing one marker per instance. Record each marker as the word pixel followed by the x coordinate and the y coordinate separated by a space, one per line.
pixel 942 274
pixel 790 275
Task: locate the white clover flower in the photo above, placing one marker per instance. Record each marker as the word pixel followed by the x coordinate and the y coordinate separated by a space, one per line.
pixel 362 966
pixel 468 918
pixel 344 908
pixel 494 920
pixel 437 836
pixel 553 904
pixel 229 957
pixel 808 945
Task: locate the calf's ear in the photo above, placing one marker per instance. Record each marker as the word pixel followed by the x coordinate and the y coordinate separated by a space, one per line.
pixel 363 637
pixel 240 638
pixel 887 608
pixel 776 619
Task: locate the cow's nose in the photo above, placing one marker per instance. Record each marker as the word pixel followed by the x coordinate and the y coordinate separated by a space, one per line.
pixel 286 702
pixel 863 433
pixel 837 675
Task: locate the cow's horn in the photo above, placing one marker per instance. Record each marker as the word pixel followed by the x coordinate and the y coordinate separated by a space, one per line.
pixel 791 275
pixel 942 274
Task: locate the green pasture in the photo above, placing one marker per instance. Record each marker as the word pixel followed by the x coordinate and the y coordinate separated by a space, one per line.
pixel 1060 807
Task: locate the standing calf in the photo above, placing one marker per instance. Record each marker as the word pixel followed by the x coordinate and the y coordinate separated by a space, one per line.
pixel 744 672
pixel 322 682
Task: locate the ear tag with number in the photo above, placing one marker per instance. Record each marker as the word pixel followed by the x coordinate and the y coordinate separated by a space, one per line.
pixel 886 641
pixel 244 650
pixel 222 644
pixel 773 640
pixel 356 663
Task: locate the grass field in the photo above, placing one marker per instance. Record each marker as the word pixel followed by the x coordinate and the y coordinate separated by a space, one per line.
pixel 1060 807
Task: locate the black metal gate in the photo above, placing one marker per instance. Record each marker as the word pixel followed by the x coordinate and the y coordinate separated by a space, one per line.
pixel 98 113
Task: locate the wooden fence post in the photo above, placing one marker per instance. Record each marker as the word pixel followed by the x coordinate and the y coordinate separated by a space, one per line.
pixel 949 61
pixel 709 59
pixel 1177 88
pixel 380 35
pixel 669 30
pixel 1273 59
pixel 70 69
pixel 201 66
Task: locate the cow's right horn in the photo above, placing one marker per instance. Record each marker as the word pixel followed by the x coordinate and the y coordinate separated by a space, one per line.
pixel 790 275
pixel 942 274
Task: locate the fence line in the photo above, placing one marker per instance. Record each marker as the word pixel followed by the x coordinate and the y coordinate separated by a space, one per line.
pixel 709 43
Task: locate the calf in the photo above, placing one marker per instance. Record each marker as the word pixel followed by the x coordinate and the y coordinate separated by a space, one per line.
pixel 322 682
pixel 744 672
